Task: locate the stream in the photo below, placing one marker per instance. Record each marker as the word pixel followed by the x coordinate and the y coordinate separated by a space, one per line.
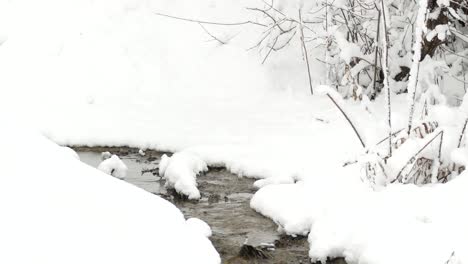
pixel 240 234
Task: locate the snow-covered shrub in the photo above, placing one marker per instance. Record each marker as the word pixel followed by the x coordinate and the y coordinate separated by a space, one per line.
pixel 358 39
pixel 373 48
pixel 431 153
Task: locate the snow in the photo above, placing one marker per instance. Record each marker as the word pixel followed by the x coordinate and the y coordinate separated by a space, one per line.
pixel 106 155
pixel 127 77
pixel 59 210
pixel 199 226
pixel 181 170
pixel 163 165
pixel 348 50
pixel 114 166
pixel 274 201
pixel 403 223
pixel 460 156
pixel 323 90
pixel 71 152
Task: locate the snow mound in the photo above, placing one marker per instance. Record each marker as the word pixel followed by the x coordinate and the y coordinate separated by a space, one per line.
pixel 163 165
pixel 399 224
pixel 67 212
pixel 180 172
pixel 199 226
pixel 286 205
pixel 114 166
pixel 70 152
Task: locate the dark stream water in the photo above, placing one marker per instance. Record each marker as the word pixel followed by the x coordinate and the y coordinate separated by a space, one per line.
pixel 224 206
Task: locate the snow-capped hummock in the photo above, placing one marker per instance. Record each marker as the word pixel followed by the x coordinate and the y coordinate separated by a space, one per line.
pixel 180 172
pixel 114 166
pixel 199 226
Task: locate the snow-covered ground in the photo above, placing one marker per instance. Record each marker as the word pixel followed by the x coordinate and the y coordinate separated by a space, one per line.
pixel 56 209
pixel 401 224
pixel 125 76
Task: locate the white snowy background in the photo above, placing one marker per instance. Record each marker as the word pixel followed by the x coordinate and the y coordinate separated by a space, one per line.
pixel 113 73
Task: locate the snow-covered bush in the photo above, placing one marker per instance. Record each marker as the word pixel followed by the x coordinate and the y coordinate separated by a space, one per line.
pixel 431 153
pixel 357 39
pixel 370 46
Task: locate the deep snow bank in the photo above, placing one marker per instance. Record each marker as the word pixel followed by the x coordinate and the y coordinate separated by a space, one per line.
pixel 400 224
pixel 56 209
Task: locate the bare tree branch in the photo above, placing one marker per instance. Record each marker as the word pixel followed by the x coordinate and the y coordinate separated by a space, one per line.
pixel 306 55
pixel 211 35
pixel 210 22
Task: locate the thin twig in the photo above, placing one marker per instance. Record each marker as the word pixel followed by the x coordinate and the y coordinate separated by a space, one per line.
pixel 454 53
pixel 270 50
pixel 462 133
pixel 210 22
pixel 415 67
pixel 349 120
pixel 211 35
pixel 440 148
pixel 386 77
pixel 450 258
pixel 287 41
pixel 269 16
pixel 350 163
pixel 413 158
pixel 393 135
pixel 376 53
pixel 301 28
